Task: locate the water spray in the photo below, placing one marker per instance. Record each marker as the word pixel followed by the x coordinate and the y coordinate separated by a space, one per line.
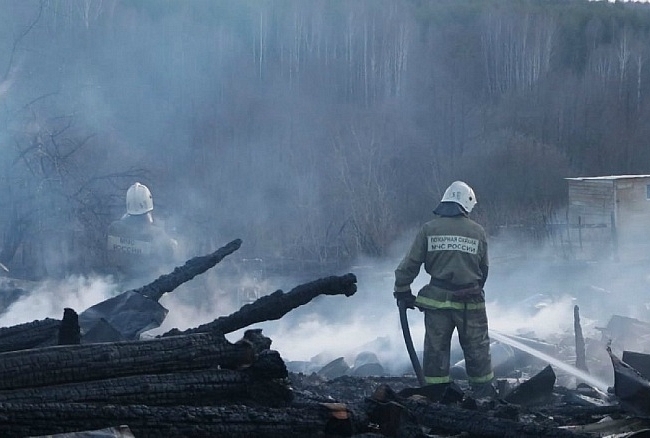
pixel 587 378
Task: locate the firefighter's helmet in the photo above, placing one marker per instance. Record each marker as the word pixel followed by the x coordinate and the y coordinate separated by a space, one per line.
pixel 138 199
pixel 462 194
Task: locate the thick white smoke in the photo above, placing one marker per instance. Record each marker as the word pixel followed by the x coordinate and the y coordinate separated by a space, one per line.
pixel 527 297
pixel 48 298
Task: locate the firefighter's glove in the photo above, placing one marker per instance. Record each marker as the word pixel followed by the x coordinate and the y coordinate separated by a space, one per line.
pixel 406 299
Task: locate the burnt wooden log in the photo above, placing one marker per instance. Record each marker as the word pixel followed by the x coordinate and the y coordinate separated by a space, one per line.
pixel 46 332
pixel 233 421
pixel 193 267
pixel 69 331
pixel 261 384
pixel 29 335
pixel 87 362
pixel 276 305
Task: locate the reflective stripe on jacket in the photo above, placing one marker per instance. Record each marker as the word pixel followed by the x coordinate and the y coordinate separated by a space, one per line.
pixel 427 302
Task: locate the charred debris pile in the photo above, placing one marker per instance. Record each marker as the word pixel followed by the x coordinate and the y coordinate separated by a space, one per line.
pixel 90 374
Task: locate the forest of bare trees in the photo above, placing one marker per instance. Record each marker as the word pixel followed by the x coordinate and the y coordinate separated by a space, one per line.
pixel 314 130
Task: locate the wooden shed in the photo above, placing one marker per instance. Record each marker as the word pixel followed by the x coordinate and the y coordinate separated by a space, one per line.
pixel 610 215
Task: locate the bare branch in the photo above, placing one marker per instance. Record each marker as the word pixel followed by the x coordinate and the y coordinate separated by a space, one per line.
pixel 19 39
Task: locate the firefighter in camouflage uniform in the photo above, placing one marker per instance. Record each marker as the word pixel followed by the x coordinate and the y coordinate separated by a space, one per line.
pixel 454 251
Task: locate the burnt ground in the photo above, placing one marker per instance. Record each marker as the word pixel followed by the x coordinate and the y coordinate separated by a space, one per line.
pixel 558 411
pixel 391 406
pixel 344 389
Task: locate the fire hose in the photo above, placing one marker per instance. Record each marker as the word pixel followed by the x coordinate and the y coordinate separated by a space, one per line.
pixel 409 344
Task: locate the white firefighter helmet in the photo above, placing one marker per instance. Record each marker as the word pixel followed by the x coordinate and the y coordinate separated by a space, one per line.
pixel 138 199
pixel 460 193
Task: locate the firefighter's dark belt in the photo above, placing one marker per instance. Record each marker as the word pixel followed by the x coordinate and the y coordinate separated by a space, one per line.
pixel 458 290
pixel 463 292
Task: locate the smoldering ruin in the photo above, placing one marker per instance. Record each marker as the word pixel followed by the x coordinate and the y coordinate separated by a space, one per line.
pixel 90 374
pixel 321 133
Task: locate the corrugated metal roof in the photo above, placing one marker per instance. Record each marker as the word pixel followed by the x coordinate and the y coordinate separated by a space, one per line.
pixel 610 177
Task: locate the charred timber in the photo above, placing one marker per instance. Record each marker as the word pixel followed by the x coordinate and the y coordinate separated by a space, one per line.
pixel 395 415
pixel 630 387
pixel 276 305
pixel 46 332
pixel 234 421
pixel 87 362
pixel 193 267
pixel 456 420
pixel 581 358
pixel 262 383
pixel 29 335
pixel 69 331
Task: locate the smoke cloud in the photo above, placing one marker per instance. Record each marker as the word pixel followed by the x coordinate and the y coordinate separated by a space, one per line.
pixel 530 298
pixel 280 125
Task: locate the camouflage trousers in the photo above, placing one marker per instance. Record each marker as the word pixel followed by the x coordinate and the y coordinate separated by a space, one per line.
pixel 472 326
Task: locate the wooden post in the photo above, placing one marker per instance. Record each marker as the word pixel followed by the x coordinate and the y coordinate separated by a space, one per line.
pixel 581 362
pixel 568 234
pixel 580 231
pixel 69 331
pixel 614 237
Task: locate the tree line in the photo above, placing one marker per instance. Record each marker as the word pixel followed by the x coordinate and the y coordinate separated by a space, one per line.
pixel 318 130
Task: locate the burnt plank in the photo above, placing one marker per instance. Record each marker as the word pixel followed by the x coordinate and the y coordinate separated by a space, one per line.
pixel 193 267
pixel 630 387
pixel 534 391
pixel 638 361
pixel 276 305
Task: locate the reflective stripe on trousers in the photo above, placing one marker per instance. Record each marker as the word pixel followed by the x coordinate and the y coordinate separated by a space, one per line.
pixel 481 379
pixel 447 379
pixel 436 380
